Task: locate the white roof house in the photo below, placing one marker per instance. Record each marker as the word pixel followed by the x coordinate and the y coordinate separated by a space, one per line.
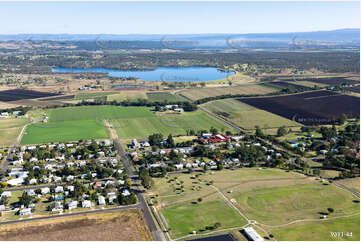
pixel 72 204
pixel 45 190
pixel 15 182
pixel 126 193
pixel 112 198
pixel 101 200
pixel 32 181
pixel 25 211
pixel 6 194
pixel 252 234
pixel 59 189
pixel 31 192
pixel 86 204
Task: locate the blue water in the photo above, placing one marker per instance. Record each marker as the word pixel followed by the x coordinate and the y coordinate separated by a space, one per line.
pixel 168 74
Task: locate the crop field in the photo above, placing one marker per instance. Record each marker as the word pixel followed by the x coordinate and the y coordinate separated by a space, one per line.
pixel 320 107
pixel 63 131
pixel 94 227
pixel 92 95
pixel 247 116
pixel 130 95
pixel 164 96
pixel 97 113
pixel 288 85
pixel 200 93
pixel 10 129
pixel 167 124
pixel 272 197
pixel 19 94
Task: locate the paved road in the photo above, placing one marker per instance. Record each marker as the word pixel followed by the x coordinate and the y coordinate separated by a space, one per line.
pixel 72 214
pixel 158 235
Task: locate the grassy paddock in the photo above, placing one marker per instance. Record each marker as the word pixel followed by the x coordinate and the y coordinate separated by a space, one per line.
pixel 10 129
pixel 164 96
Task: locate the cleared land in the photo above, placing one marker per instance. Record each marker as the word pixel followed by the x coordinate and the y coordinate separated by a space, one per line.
pixel 325 80
pixel 10 129
pixel 167 124
pixel 200 93
pixel 164 97
pixel 311 108
pixel 91 95
pixel 272 197
pixel 128 95
pixel 247 116
pixel 351 183
pixel 120 226
pixel 19 94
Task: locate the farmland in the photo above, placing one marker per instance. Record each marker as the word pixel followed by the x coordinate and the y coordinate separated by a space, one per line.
pixel 95 227
pixel 164 96
pixel 334 81
pixel 245 115
pixel 165 124
pixel 130 95
pixel 92 95
pixel 63 131
pixel 10 129
pixel 272 197
pixel 19 94
pixel 288 85
pixel 200 93
pixel 320 107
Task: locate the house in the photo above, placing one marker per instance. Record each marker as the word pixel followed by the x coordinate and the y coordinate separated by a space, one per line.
pixel 145 144
pixel 56 206
pixel 69 178
pixel 179 110
pixel 32 181
pixel 31 192
pixel 45 190
pixel 15 182
pixel 86 204
pixel 178 166
pixel 112 198
pixel 252 234
pixel 70 188
pixel 6 194
pixel 126 193
pixel 2 208
pixel 135 144
pixel 72 204
pixel 106 142
pixel 101 200
pixel 59 189
pixel 323 152
pixel 25 211
pixel 237 138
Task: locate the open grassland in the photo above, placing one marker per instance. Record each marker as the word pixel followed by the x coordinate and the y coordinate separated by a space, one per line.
pixel 321 231
pixel 272 197
pixel 97 113
pixel 10 129
pixel 351 183
pixel 247 116
pixel 164 97
pixel 119 226
pixel 200 93
pixel 130 95
pixel 63 131
pixel 174 124
pixel 281 205
pixel 188 217
pixel 92 95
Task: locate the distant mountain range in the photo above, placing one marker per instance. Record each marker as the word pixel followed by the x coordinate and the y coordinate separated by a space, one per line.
pixel 341 38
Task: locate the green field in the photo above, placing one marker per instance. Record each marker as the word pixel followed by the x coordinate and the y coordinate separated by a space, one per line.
pixel 164 96
pixel 272 197
pixel 188 217
pixel 247 116
pixel 321 231
pixel 168 124
pixel 97 113
pixel 10 129
pixel 63 131
pixel 130 95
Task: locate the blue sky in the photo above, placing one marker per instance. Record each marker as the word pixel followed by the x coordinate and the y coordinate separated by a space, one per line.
pixel 176 17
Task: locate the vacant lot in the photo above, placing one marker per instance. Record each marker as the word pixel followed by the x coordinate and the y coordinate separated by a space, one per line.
pixel 320 107
pixel 130 95
pixel 352 183
pixel 166 124
pixel 119 226
pixel 19 94
pixel 97 113
pixel 247 116
pixel 164 97
pixel 200 93
pixel 10 129
pixel 64 131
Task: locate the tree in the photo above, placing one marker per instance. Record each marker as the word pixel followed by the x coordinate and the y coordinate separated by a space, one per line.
pixel 170 141
pixel 25 199
pixel 219 166
pixel 330 210
pixel 281 131
pixel 213 130
pixel 343 119
pixel 259 132
pixel 199 199
pixel 217 225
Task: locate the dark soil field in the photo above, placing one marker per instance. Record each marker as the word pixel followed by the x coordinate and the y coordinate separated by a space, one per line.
pixel 353 89
pixel 67 97
pixel 312 108
pixel 334 81
pixel 291 86
pixel 19 94
pixel 120 226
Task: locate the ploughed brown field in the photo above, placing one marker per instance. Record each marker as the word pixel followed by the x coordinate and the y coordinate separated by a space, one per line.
pixel 124 225
pixel 320 107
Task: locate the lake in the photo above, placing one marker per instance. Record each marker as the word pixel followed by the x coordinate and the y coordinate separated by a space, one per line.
pixel 167 74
